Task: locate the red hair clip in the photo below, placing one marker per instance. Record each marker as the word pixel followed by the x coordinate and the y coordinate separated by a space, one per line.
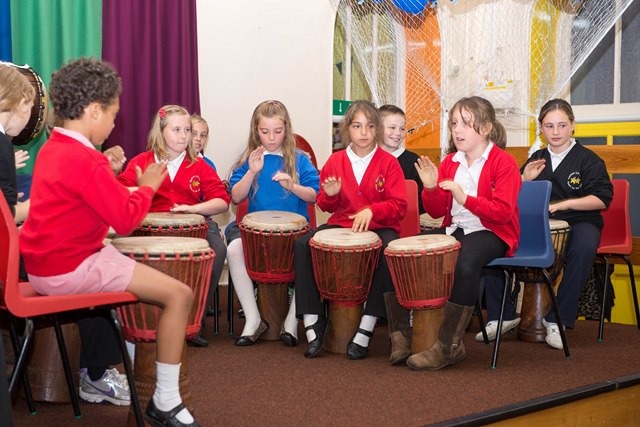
pixel 162 113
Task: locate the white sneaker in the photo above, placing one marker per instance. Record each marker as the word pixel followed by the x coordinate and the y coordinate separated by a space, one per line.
pixel 112 387
pixel 492 328
pixel 553 337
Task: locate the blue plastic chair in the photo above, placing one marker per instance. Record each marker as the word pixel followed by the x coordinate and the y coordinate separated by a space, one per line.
pixel 535 250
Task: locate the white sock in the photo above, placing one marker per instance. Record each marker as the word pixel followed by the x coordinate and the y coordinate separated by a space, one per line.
pixel 367 323
pixel 167 394
pixel 291 321
pixel 307 320
pixel 243 286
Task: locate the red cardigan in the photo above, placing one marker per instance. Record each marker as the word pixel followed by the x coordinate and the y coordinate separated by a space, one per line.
pixel 382 189
pixel 497 202
pixel 75 197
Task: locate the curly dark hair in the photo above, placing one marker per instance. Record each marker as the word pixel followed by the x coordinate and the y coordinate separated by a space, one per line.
pixel 81 82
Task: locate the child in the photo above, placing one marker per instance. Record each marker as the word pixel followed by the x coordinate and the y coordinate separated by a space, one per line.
pixel 16 101
pixel 394 123
pixel 273 175
pixel 363 187
pixel 192 185
pixel 476 190
pixel 73 205
pixel 580 190
pixel 200 136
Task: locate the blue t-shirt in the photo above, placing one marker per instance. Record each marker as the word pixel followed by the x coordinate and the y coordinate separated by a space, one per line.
pixel 270 194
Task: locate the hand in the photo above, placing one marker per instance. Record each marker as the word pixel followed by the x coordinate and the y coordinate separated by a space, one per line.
pixel 183 208
pixel 559 206
pixel 427 171
pixel 153 176
pixel 284 180
pixel 116 158
pixel 456 191
pixel 256 160
pixel 361 220
pixel 21 158
pixel 533 169
pixel 332 185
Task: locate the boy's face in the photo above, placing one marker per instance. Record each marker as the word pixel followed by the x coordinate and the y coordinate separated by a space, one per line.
pixel 394 131
pixel 105 121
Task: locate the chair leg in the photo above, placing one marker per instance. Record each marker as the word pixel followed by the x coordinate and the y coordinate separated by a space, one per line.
pixel 634 291
pixel 494 361
pixel 15 343
pixel 216 304
pixel 73 393
pixel 552 295
pixel 604 297
pixel 22 355
pixel 126 361
pixel 230 305
pixel 482 324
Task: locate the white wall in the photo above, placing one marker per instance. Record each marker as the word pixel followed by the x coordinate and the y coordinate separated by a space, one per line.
pixel 253 50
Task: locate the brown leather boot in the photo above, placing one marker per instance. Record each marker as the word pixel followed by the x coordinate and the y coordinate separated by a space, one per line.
pixel 399 329
pixel 449 349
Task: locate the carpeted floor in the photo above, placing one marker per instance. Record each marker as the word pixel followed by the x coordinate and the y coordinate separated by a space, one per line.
pixel 269 384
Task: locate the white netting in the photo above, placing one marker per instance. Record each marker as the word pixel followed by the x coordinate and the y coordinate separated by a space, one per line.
pixel 423 55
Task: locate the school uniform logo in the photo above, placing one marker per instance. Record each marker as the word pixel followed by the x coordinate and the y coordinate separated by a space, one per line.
pixel 380 183
pixel 194 183
pixel 574 181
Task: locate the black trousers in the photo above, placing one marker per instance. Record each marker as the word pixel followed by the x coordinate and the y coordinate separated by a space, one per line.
pixel 308 299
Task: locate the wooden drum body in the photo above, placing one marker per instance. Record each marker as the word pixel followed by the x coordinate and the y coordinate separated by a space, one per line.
pixel 169 224
pixel 422 270
pixel 536 302
pixel 343 265
pixel 187 259
pixel 267 243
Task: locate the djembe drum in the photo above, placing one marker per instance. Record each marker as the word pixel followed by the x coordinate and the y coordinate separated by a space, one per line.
pixel 429 223
pixel 422 270
pixel 343 265
pixel 267 243
pixel 190 261
pixel 169 224
pixel 536 301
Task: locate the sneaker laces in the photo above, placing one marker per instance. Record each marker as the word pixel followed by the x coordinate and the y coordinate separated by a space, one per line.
pixel 118 378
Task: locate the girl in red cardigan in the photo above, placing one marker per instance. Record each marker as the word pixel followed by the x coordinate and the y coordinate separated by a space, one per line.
pixel 476 190
pixel 363 188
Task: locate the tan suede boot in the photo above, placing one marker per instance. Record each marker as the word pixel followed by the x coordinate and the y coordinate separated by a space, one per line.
pixel 449 349
pixel 399 329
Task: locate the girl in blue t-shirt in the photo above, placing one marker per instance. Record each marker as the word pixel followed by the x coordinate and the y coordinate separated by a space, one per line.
pixel 272 175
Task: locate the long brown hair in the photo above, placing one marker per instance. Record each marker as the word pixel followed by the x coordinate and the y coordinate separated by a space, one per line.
pixel 483 115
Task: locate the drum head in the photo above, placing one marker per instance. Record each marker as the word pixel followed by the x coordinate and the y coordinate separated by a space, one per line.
pixel 558 224
pixel 169 219
pixel 159 245
pixel 344 237
pixel 274 221
pixel 427 242
pixel 426 221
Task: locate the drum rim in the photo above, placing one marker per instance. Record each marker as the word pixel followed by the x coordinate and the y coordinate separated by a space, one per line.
pixel 295 222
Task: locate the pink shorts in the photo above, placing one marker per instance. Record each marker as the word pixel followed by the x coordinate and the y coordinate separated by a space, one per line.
pixel 105 271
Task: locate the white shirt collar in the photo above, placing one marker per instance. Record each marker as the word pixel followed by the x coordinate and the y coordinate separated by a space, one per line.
pixel 355 158
pixel 1 128
pixel 460 156
pixel 398 152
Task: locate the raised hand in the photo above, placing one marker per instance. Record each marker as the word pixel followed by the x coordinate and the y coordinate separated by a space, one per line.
pixel 21 158
pixel 332 185
pixel 533 169
pixel 427 171
pixel 284 180
pixel 256 160
pixel 153 176
pixel 116 157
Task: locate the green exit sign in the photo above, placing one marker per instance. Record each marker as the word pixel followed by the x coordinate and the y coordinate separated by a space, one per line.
pixel 340 107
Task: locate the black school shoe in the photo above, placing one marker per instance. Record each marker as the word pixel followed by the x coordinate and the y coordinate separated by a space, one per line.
pixel 158 418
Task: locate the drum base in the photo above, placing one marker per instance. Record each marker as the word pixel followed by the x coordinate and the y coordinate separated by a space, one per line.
pixel 44 369
pixel 426 325
pixel 535 305
pixel 343 324
pixel 273 303
pixel 145 377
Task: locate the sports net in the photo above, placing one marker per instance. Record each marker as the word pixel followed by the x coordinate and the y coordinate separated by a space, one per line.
pixel 423 55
